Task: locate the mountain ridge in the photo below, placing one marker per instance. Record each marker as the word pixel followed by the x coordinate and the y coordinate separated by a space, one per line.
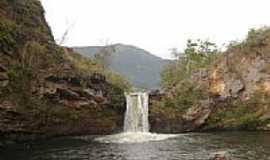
pixel 141 67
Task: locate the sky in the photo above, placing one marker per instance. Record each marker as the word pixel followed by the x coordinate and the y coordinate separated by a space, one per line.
pixel 154 25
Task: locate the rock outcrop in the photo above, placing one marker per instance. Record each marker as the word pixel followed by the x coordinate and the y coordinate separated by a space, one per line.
pixel 239 85
pixel 231 94
pixel 43 89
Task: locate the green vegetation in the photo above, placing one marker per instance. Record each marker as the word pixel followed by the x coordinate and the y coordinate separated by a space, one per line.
pixel 185 95
pixel 255 44
pixel 248 115
pixel 8 36
pixel 179 79
pixel 201 66
pixel 197 55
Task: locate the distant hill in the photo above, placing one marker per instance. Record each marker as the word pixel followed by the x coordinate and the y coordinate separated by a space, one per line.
pixel 139 66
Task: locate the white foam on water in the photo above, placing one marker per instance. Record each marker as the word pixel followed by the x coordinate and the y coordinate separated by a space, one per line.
pixel 134 137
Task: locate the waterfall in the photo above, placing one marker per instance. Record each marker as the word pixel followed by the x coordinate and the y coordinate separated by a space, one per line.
pixel 136 125
pixel 136 117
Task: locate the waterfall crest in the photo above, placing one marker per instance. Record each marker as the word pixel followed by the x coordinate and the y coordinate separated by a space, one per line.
pixel 136 117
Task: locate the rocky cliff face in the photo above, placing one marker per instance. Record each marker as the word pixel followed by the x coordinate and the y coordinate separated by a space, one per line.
pixel 239 85
pixel 233 93
pixel 43 90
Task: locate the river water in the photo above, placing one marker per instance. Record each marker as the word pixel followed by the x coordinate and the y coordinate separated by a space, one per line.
pixel 137 143
pixel 195 146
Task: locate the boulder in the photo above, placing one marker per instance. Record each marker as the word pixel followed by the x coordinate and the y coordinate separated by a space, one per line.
pixel 197 115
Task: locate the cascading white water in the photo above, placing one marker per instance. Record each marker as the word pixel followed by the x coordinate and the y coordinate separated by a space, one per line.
pixel 136 117
pixel 136 125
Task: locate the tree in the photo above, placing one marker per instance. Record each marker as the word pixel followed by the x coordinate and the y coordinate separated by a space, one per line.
pixel 197 54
